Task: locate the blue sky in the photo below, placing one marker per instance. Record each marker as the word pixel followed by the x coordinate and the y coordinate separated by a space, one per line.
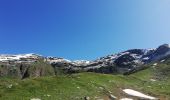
pixel 82 29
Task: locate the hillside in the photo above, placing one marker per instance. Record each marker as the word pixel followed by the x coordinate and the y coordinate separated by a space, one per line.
pixel 153 81
pixel 136 74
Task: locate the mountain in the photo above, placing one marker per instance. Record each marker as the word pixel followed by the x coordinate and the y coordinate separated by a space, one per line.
pixel 151 83
pixel 136 74
pixel 125 62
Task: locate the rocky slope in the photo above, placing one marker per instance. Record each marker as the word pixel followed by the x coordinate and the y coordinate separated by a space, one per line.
pixel 26 65
pixel 124 62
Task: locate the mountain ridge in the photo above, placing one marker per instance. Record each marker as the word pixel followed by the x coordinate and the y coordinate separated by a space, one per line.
pixel 125 62
pixel 135 74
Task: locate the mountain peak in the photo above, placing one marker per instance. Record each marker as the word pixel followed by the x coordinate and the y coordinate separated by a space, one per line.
pixel 165 45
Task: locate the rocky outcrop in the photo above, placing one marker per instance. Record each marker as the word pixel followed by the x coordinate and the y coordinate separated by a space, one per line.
pixel 161 52
pixel 23 70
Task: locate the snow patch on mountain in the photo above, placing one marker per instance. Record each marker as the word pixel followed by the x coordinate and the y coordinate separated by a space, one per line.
pixel 18 57
pixel 57 60
pixel 81 62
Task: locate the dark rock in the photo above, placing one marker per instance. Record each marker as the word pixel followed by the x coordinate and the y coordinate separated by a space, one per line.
pixel 86 98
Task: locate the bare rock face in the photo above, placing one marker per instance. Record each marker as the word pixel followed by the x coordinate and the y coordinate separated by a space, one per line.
pixel 163 49
pixel 24 70
pixel 160 52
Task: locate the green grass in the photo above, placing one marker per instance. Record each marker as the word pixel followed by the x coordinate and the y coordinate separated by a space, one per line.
pixel 93 85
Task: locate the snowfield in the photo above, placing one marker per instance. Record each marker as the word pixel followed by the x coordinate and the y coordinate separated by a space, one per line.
pixel 126 99
pixel 138 94
pixel 8 57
